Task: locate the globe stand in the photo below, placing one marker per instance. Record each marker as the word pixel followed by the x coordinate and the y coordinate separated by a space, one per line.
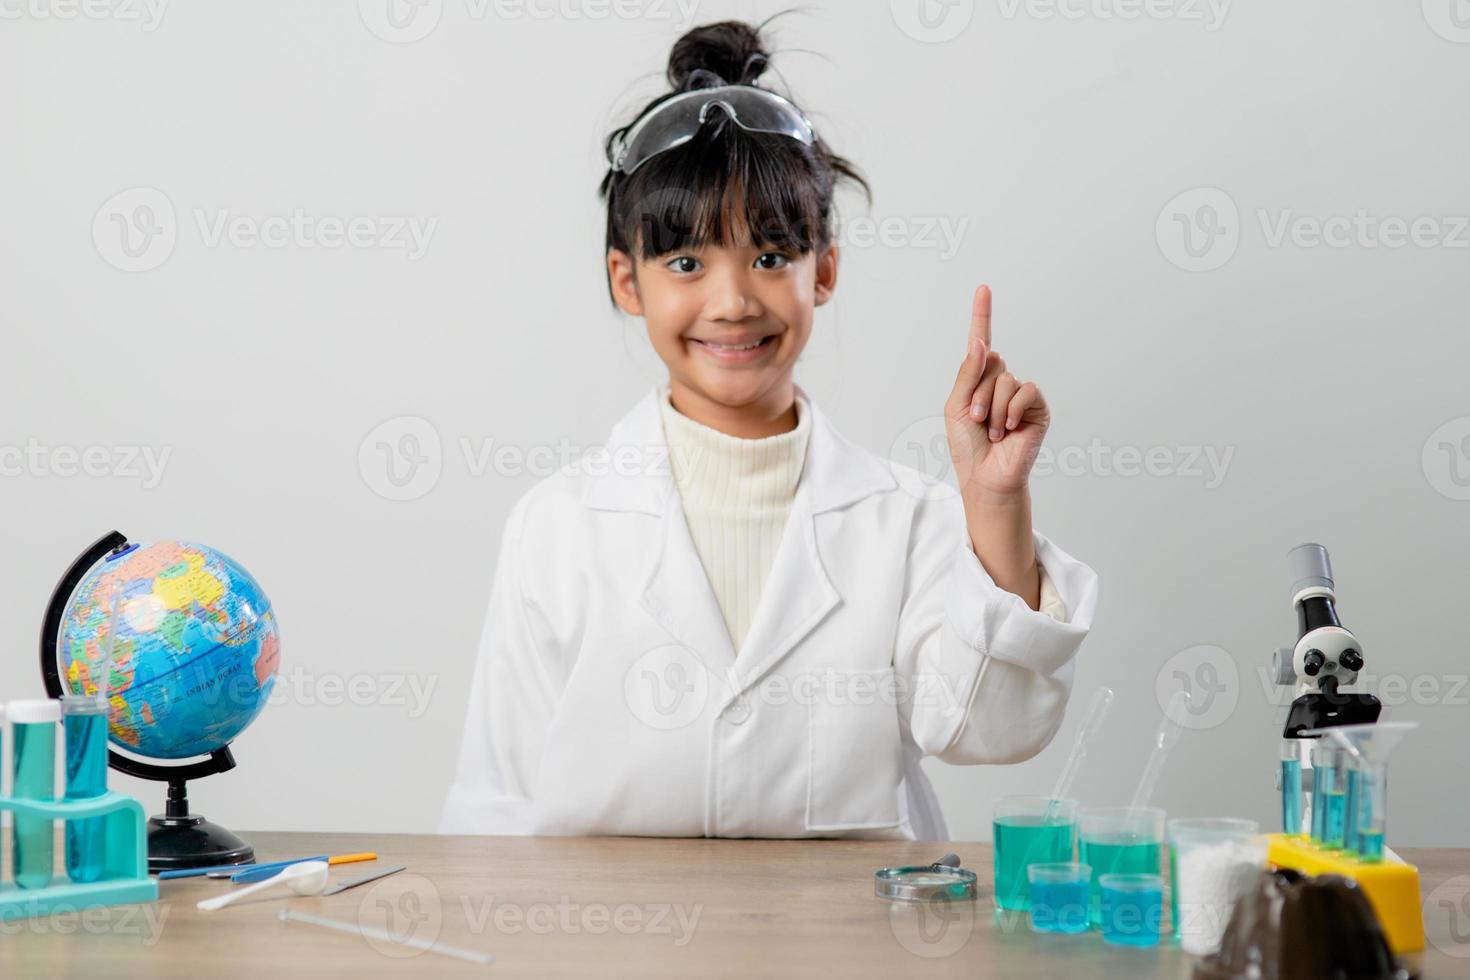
pixel 176 838
pixel 180 839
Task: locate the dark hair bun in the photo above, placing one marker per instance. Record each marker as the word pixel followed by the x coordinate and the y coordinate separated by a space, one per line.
pixel 726 53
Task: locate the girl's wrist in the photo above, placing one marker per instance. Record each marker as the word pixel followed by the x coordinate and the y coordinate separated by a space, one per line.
pixel 1000 531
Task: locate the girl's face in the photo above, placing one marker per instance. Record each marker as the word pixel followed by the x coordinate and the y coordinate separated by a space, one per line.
pixel 729 321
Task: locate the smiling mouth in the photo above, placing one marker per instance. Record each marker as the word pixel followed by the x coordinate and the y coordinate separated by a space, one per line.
pixel 735 348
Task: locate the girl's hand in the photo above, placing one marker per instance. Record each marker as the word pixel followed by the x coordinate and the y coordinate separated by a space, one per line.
pixel 994 422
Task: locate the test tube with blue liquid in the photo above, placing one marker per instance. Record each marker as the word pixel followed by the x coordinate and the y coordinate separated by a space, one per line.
pixel 1291 785
pixel 1364 752
pixel 84 721
pixel 85 726
pixel 1330 790
pixel 33 777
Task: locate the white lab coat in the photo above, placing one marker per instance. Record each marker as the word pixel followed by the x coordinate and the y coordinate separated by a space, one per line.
pixel 607 697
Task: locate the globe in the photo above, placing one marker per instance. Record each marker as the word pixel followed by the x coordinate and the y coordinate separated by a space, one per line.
pixel 194 653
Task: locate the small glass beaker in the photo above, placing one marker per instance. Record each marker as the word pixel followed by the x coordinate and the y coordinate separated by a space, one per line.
pixel 1132 908
pixel 1211 861
pixel 1058 896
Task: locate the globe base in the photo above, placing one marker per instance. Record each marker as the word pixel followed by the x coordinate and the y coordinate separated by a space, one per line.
pixel 190 841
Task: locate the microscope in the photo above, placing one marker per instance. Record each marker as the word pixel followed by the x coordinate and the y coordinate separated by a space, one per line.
pixel 1334 796
pixel 1326 657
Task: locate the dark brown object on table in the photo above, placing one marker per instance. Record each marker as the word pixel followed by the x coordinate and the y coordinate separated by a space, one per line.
pixel 1291 927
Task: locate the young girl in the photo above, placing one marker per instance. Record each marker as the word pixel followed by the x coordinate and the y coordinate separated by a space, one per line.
pixel 734 622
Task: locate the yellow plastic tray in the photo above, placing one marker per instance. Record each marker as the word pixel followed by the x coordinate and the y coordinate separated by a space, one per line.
pixel 1392 886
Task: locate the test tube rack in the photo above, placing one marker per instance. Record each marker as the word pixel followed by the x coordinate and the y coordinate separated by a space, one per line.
pixel 1390 885
pixel 125 872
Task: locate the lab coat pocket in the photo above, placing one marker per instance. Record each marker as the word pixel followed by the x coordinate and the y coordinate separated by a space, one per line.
pixel 854 755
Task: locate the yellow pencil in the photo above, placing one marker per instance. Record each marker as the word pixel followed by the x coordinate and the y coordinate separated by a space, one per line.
pixel 352 858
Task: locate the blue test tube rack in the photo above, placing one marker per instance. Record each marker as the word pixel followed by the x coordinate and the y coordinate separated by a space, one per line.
pixel 125 870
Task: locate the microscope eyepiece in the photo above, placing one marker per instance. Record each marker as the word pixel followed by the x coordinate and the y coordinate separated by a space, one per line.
pixel 1310 568
pixel 1312 663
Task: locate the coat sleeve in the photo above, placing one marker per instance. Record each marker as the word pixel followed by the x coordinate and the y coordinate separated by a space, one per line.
pixel 988 677
pixel 512 700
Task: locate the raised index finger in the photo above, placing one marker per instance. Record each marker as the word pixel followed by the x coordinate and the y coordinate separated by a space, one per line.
pixel 980 316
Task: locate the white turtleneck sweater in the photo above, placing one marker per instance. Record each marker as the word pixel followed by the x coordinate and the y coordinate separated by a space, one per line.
pixel 736 495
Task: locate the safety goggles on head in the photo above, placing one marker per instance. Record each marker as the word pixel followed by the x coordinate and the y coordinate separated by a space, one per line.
pixel 676 120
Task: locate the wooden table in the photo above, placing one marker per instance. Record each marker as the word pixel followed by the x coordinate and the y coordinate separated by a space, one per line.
pixel 617 907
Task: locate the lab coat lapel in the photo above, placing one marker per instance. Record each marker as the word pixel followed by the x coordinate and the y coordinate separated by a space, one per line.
pixel 677 593
pixel 675 590
pixel 798 593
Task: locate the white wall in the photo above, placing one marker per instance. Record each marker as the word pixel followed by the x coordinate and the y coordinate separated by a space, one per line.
pixel 1055 144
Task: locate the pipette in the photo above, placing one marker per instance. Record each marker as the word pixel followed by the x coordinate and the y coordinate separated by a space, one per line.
pixel 1097 710
pixel 368 932
pixel 1164 739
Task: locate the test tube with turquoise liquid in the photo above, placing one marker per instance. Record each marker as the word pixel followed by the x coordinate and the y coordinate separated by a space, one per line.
pixel 1331 788
pixel 33 765
pixel 1291 786
pixel 1364 750
pixel 84 721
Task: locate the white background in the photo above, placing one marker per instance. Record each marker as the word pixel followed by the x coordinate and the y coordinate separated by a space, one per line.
pixel 1056 139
